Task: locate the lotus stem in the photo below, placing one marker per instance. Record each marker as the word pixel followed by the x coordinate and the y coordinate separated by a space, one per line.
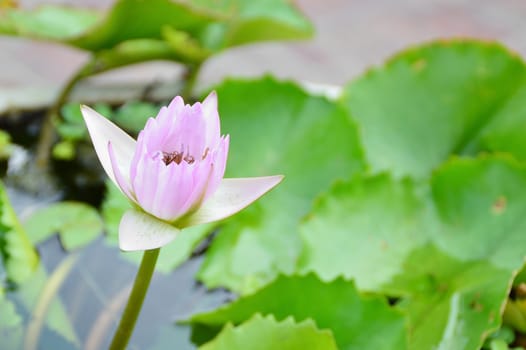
pixel 190 78
pixel 47 131
pixel 136 299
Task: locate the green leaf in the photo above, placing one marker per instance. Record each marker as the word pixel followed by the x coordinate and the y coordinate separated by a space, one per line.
pixel 250 21
pixel 261 333
pixel 449 249
pixel 357 322
pixel 130 52
pixel 154 14
pixel 5 145
pixel 171 256
pixel 47 22
pixel 481 205
pixel 134 114
pixel 19 257
pixel 451 304
pixel 184 45
pixel 64 150
pixel 76 223
pixel 505 334
pixel 276 128
pixel 11 327
pixel 205 26
pixel 367 226
pixel 72 127
pixel 448 97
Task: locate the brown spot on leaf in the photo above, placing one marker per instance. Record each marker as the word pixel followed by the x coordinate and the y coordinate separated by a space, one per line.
pixel 476 305
pixel 499 206
pixel 419 65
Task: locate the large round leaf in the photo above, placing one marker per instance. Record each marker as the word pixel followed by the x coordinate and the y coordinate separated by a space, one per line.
pixel 276 128
pixel 448 249
pixel 357 322
pixel 427 103
pixel 262 333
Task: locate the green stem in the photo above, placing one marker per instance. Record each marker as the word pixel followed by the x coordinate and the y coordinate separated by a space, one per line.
pixel 47 296
pixel 47 132
pixel 190 78
pixel 131 312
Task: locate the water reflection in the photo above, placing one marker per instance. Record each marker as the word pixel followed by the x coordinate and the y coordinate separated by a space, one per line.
pixel 95 290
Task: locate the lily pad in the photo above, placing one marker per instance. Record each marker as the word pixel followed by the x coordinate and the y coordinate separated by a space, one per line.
pixel 206 25
pixel 357 322
pixel 276 128
pixel 76 223
pixel 438 100
pixel 47 22
pixel 261 333
pixel 18 255
pixel 367 226
pixel 11 326
pixel 448 249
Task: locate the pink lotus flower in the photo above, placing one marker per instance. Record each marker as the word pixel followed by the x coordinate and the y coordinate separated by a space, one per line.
pixel 173 173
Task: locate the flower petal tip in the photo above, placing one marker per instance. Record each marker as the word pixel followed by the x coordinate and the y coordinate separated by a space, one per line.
pixel 102 131
pixel 140 231
pixel 232 196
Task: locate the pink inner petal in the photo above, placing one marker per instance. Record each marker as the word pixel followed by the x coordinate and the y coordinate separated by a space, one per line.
pixel 211 115
pixel 146 181
pixel 219 162
pixel 201 176
pixel 180 189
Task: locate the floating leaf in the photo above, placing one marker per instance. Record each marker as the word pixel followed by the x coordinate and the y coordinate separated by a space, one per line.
pixel 19 257
pixel 276 128
pixel 249 21
pixel 72 126
pixel 367 226
pixel 209 25
pixel 47 22
pixel 449 97
pixel 450 250
pixel 133 115
pixel 11 327
pixel 64 150
pixel 76 223
pixel 5 145
pixel 262 333
pixel 356 322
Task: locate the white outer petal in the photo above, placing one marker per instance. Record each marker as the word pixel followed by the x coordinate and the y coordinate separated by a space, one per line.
pixel 232 196
pixel 141 231
pixel 102 131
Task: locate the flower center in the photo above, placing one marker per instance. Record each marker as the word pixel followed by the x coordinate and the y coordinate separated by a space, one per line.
pixel 178 157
